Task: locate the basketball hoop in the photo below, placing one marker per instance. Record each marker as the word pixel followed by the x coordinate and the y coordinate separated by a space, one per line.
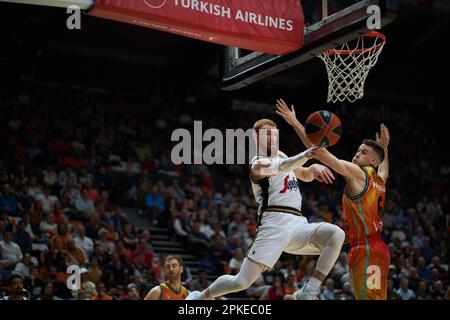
pixel 348 68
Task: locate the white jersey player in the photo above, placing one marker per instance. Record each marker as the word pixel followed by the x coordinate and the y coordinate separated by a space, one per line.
pixel 281 225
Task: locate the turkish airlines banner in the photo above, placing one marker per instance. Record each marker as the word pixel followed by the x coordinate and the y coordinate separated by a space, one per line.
pixel 270 26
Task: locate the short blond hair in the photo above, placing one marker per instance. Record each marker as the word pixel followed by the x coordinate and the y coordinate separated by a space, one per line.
pixel 263 122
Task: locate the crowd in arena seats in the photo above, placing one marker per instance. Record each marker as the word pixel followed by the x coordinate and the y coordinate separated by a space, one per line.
pixel 72 159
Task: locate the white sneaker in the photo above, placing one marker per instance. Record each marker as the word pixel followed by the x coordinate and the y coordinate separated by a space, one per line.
pixel 194 295
pixel 304 294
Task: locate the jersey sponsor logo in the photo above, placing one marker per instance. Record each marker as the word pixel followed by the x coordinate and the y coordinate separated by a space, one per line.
pixel 374 277
pixel 378 226
pixel 379 187
pixel 289 185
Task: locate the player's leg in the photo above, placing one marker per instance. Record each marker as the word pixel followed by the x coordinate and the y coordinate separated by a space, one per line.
pixel 323 239
pixel 356 265
pixel 225 284
pixel 377 271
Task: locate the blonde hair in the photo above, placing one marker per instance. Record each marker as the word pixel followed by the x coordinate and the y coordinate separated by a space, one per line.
pixel 263 122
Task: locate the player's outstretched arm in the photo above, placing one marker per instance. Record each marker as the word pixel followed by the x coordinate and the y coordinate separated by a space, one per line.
pixel 266 167
pixel 344 168
pixel 153 294
pixel 315 172
pixel 383 139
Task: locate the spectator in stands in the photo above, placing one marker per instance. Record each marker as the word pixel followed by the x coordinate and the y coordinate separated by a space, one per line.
pixel 15 285
pixel 422 292
pixel 34 189
pixel 346 292
pixel 66 175
pixel 143 249
pixel 154 204
pixel 201 283
pixel 47 200
pixel 47 292
pixel 437 291
pixel 22 237
pixel 103 242
pixel 239 225
pixel 23 200
pixel 404 292
pixel 84 206
pixel 62 234
pixel 23 268
pixel 8 201
pixel 329 292
pixel 73 193
pixel 48 227
pixel 277 291
pixel 423 272
pixel 139 269
pixel 11 252
pixel 101 293
pixel 84 242
pixel 94 271
pixel 75 255
pixel 236 262
pixel 91 192
pixel 197 241
pixel 291 285
pixel 133 292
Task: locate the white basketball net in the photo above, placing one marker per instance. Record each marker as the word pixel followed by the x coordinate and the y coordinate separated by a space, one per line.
pixel 348 67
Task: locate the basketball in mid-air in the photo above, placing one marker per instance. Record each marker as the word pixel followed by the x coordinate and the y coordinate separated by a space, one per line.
pixel 323 128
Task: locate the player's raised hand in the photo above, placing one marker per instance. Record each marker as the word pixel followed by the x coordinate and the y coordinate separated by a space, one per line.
pixel 384 137
pixel 287 114
pixel 322 173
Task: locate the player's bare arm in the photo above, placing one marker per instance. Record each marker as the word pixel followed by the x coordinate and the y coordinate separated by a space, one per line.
pixel 383 139
pixel 314 172
pixel 265 167
pixel 347 169
pixel 153 294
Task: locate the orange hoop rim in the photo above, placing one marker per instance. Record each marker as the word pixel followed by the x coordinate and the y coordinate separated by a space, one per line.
pixel 372 34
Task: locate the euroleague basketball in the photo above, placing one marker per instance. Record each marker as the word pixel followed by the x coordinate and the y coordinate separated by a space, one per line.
pixel 323 128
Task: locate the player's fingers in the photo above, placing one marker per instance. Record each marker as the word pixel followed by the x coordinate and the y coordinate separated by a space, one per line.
pixel 377 137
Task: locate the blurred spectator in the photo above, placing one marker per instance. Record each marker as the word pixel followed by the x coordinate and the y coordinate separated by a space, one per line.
pixel 47 292
pixel 201 282
pixel 277 291
pixel 404 292
pixel 101 293
pixel 329 292
pixel 83 242
pixel 47 200
pixel 8 201
pixel 10 251
pixel 346 293
pixel 236 262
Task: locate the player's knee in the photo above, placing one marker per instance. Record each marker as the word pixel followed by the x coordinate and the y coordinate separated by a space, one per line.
pixel 241 283
pixel 328 234
pixel 339 236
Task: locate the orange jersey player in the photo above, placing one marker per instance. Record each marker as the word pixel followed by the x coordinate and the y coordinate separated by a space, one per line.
pixel 369 256
pixel 363 204
pixel 172 288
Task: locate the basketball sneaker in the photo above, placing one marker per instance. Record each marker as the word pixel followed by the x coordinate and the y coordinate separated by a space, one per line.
pixel 194 295
pixel 306 293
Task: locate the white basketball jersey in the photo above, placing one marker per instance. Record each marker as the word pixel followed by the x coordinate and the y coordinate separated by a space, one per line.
pixel 280 190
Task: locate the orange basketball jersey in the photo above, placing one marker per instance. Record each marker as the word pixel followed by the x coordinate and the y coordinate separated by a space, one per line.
pixel 362 213
pixel 168 293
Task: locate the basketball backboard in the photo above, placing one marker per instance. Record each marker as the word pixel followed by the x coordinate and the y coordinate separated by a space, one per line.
pixel 328 23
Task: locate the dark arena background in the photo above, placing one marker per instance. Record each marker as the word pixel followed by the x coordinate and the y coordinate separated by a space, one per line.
pixel 86 176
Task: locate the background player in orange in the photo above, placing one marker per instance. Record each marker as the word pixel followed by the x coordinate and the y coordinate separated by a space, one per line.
pixel 363 204
pixel 172 288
